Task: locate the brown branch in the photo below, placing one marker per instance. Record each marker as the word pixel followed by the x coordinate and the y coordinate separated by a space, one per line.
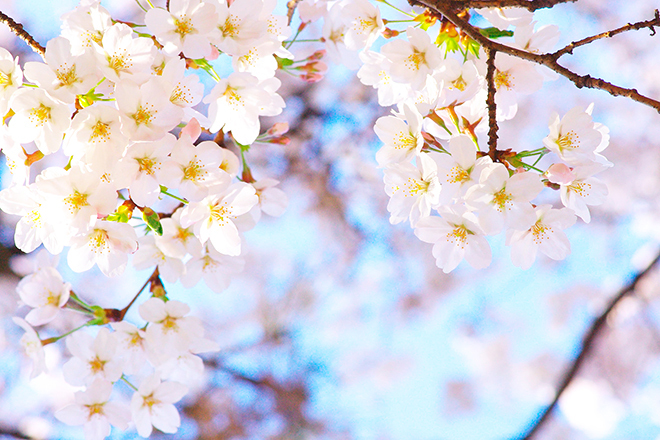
pixel 587 344
pixel 446 8
pixel 629 27
pixel 532 5
pixel 17 28
pixel 291 6
pixel 490 103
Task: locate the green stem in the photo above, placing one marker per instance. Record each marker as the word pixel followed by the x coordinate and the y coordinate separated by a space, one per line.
pixel 123 378
pixel 394 7
pixel 57 338
pixel 140 6
pixel 163 191
pixel 311 40
pixel 294 38
pixel 80 302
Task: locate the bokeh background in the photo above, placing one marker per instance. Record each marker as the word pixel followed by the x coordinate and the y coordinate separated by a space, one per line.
pixel 341 325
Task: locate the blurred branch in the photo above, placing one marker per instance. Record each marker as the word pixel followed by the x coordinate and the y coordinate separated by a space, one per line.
pixel 447 8
pixel 587 344
pixel 291 6
pixel 17 28
pixel 532 5
pixel 12 433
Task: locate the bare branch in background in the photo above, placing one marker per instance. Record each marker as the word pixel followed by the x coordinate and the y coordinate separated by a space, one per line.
pixel 587 344
pixel 492 107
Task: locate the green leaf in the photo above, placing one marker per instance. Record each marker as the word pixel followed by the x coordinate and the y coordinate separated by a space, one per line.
pixel 493 32
pixel 152 220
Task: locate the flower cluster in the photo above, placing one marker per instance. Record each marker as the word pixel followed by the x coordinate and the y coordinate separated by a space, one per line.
pixel 115 102
pixel 432 154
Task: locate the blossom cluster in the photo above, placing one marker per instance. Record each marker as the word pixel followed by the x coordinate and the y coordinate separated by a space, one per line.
pixel 432 154
pixel 110 121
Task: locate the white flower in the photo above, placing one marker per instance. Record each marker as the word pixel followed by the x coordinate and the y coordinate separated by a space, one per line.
pixel 375 72
pixel 33 348
pixel 272 201
pixel 121 56
pixel 132 346
pixel 65 75
pixel 85 26
pixel 169 328
pixel 455 236
pixel 413 190
pixel 149 255
pixel 93 409
pixel 11 78
pixel 176 240
pixel 38 118
pixel 236 102
pixel 215 268
pixel 578 188
pixel 93 358
pixel 95 136
pixel 46 292
pixel 214 217
pixel 142 167
pixel 574 138
pixel 459 170
pixel 106 244
pixel 502 200
pixel 152 405
pixel 194 169
pixel 239 24
pixel 363 24
pixel 184 28
pixel 513 76
pixel 147 113
pixel 402 139
pixel 545 235
pixel 414 60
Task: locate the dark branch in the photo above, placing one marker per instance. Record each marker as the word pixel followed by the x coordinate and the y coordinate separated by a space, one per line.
pixel 587 344
pixel 12 433
pixel 17 28
pixel 532 5
pixel 490 102
pixel 446 8
pixel 629 27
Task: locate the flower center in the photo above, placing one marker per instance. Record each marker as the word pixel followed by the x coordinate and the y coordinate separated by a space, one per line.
pixel 183 26
pixel 404 141
pixel 414 60
pixel 458 175
pixel 147 165
pixel 568 141
pixel 540 232
pixel 143 115
pixel 503 79
pixel 100 131
pixel 458 236
pixel 501 199
pixel 194 171
pixel 76 201
pixel 66 75
pixel 39 115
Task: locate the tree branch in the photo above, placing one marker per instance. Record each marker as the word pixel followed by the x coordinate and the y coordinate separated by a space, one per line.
pixel 587 344
pixel 17 28
pixel 532 5
pixel 629 27
pixel 447 9
pixel 490 103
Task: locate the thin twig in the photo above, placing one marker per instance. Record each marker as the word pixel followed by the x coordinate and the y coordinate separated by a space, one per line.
pixel 527 4
pixel 490 103
pixel 587 345
pixel 17 28
pixel 446 8
pixel 629 27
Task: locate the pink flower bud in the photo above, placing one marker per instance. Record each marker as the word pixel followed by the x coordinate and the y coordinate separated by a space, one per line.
pixel 560 174
pixel 278 129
